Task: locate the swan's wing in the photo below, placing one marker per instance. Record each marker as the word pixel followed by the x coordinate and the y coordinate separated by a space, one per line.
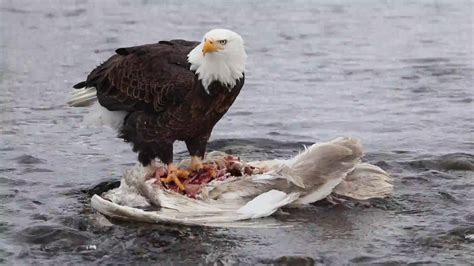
pixel 266 204
pixel 365 182
pixel 323 162
pixel 323 166
pixel 199 213
pixel 314 173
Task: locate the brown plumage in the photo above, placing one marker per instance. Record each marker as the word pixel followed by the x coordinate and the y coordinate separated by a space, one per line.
pixel 164 99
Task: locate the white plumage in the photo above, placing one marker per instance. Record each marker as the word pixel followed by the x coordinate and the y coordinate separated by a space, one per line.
pixel 322 169
pixel 83 97
pixel 96 115
pixel 225 65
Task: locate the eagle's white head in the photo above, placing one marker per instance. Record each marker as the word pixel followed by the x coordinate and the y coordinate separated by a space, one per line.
pixel 219 57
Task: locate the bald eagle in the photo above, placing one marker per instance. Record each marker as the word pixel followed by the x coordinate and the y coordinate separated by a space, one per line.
pixel 168 91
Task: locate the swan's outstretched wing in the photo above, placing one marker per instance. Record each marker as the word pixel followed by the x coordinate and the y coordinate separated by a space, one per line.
pixel 313 173
pixel 365 182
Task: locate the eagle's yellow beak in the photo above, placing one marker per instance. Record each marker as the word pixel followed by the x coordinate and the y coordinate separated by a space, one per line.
pixel 209 47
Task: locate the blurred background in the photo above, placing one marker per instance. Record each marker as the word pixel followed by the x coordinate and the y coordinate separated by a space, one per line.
pixel 398 75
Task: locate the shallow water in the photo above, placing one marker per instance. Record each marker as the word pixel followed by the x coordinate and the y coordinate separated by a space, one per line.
pixel 397 75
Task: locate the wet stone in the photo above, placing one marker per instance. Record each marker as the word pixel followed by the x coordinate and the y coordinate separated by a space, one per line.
pixel 45 234
pixel 102 187
pixel 28 159
pixel 291 260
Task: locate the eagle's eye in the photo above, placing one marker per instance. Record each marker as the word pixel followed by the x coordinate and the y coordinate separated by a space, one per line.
pixel 223 42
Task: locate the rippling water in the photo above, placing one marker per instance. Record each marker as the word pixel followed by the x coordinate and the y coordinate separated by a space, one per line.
pixel 398 75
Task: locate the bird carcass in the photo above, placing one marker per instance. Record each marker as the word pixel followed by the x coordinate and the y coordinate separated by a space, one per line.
pixel 228 189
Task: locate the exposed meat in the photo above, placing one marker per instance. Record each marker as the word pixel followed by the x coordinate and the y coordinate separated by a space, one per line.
pixel 160 172
pixel 219 170
pixel 192 190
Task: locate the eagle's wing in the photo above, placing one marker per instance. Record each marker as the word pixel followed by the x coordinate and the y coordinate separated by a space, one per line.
pixel 147 77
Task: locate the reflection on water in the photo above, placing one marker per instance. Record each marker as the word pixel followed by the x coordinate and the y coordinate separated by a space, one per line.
pixel 396 75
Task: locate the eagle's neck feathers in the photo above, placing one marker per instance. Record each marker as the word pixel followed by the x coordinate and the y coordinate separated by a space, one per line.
pixel 226 68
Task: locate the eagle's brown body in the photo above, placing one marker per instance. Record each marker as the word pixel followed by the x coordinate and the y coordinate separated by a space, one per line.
pixel 165 100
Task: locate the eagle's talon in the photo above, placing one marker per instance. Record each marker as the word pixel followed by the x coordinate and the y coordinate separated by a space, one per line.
pixel 173 176
pixel 182 174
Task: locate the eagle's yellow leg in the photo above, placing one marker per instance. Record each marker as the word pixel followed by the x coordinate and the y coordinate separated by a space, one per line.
pixel 196 163
pixel 173 176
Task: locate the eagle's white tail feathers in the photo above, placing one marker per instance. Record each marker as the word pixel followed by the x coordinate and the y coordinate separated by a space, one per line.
pixel 83 97
pixel 97 115
pixel 100 116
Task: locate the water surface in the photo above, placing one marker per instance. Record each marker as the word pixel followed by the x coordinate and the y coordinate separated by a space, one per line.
pixel 397 75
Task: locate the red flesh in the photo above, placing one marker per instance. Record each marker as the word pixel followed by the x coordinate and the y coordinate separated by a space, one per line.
pixel 197 179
